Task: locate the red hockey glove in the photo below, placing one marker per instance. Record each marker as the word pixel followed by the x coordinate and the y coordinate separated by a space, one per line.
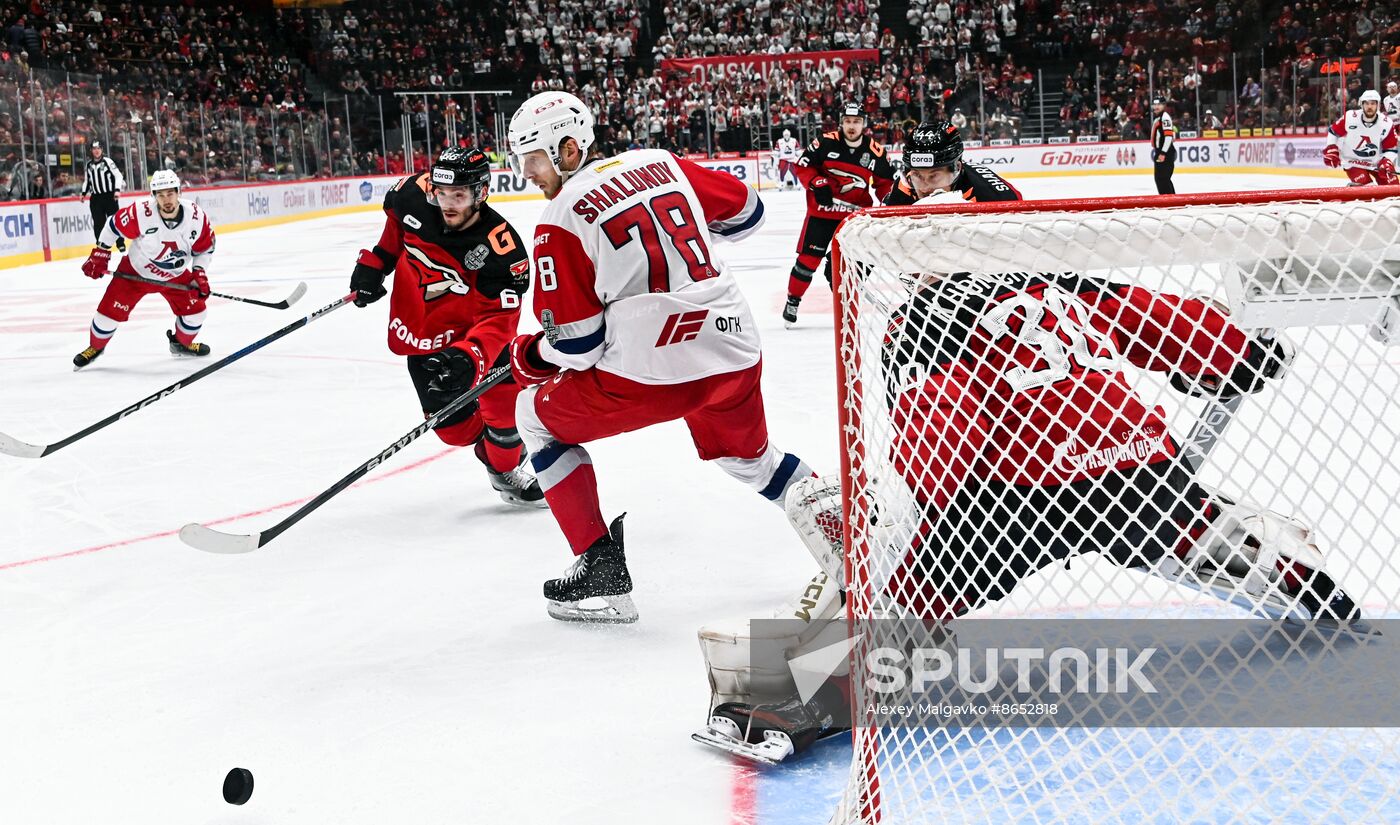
pixel 1385 171
pixel 96 264
pixel 821 190
pixel 367 281
pixel 200 282
pixel 1332 156
pixel 527 366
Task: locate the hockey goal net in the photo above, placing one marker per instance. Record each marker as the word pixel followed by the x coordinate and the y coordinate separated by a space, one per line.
pixel 972 337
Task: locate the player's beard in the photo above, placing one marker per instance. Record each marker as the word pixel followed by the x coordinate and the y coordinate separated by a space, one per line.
pixel 465 216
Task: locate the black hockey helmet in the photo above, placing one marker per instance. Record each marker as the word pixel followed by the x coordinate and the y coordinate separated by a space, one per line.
pixel 462 167
pixel 852 109
pixel 932 145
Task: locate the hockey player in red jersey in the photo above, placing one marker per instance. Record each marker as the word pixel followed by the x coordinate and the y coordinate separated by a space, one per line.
pixel 1010 403
pixel 1363 142
pixel 843 171
pixel 643 323
pixel 460 272
pixel 170 240
pixel 933 164
pixel 1024 444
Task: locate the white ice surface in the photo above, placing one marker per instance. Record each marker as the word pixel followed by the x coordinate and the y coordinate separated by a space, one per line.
pixel 388 659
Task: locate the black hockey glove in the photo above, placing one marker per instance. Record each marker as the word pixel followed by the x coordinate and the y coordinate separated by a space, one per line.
pixel 1266 359
pixel 821 190
pixel 367 281
pixel 455 369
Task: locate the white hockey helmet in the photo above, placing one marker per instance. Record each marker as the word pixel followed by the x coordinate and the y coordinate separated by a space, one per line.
pixel 1371 95
pixel 787 133
pixel 164 179
pixel 545 121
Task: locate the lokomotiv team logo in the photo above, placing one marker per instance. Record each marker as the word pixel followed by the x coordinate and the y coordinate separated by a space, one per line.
pixel 1365 148
pixel 171 257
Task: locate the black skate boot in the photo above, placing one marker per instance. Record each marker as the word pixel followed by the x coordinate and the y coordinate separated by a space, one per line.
pixel 185 350
pixel 790 311
pixel 518 486
pixel 772 733
pixel 600 573
pixel 85 357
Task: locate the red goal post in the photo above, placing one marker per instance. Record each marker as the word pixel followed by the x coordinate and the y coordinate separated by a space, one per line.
pixel 1319 445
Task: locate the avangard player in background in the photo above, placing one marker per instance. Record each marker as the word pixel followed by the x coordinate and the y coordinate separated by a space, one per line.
pixel 460 272
pixel 787 152
pixel 643 323
pixel 1024 444
pixel 169 239
pixel 933 164
pixel 843 171
pixel 1363 143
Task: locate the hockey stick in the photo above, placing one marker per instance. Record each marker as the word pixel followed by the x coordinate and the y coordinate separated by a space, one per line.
pixel 1207 430
pixel 13 446
pixel 282 304
pixel 214 541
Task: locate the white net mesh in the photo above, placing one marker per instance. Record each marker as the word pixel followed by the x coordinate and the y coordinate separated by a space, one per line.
pixel 1007 403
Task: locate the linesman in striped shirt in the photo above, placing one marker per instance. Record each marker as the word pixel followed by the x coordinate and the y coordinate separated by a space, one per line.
pixel 103 180
pixel 1163 148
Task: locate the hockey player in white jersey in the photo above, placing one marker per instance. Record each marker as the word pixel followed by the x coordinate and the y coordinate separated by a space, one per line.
pixel 1391 104
pixel 787 151
pixel 643 323
pixel 1363 143
pixel 169 239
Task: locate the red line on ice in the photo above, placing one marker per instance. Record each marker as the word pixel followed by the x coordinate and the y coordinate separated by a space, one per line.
pixel 742 808
pixel 86 550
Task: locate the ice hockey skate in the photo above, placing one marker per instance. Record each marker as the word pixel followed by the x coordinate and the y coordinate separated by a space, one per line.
pixel 195 350
pixel 85 357
pixel 770 733
pixel 599 574
pixel 517 486
pixel 790 311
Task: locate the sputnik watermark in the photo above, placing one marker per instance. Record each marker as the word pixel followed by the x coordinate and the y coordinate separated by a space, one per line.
pixel 1101 670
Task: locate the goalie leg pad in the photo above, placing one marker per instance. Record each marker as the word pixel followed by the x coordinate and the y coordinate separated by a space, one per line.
pixel 1265 562
pixel 814 510
pixel 727 646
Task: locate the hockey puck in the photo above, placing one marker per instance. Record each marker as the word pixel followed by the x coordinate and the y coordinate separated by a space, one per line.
pixel 238 786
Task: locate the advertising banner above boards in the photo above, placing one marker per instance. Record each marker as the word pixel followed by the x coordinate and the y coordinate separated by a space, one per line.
pixel 834 64
pixel 62 228
pixel 36 231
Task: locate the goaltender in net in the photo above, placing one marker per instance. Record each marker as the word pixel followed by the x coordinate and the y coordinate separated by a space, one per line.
pixel 1023 443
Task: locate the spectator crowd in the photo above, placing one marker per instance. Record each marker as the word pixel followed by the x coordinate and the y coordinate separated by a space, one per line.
pixel 221 90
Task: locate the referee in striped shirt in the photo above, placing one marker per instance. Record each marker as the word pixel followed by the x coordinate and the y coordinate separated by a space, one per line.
pixel 103 180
